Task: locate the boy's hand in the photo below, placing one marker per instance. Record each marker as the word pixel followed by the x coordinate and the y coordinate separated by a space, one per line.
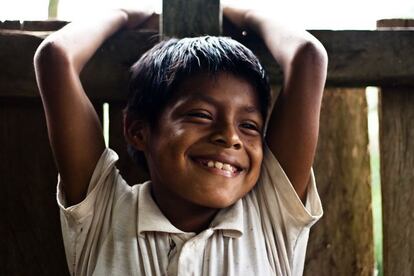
pixel 136 18
pixel 242 13
pixel 235 13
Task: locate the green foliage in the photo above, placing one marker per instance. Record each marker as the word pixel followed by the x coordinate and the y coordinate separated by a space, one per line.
pixel 377 210
pixel 53 9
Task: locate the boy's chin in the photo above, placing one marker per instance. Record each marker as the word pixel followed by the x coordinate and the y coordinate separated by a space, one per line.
pixel 216 202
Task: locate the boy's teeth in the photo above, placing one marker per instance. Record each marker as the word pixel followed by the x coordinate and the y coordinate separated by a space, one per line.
pixel 221 166
pixel 227 167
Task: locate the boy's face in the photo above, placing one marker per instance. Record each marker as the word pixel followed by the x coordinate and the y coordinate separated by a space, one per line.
pixel 207 146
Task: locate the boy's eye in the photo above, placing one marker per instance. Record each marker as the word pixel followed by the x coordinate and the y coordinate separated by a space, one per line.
pixel 202 115
pixel 250 126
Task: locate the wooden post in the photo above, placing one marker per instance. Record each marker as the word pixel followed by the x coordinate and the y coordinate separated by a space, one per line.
pixel 33 239
pixel 341 243
pixel 182 18
pixel 397 171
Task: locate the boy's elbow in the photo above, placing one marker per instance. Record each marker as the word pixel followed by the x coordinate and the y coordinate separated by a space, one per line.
pixel 49 55
pixel 314 52
pixel 49 60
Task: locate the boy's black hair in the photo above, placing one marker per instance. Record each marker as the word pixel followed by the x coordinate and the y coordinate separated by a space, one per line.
pixel 154 77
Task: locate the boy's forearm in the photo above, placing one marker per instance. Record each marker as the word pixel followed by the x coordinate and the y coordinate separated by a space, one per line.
pixel 74 129
pixel 79 40
pixel 285 42
pixel 293 125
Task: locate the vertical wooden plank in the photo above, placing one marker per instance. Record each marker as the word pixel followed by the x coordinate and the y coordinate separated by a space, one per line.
pixel 130 171
pixel 397 179
pixel 397 171
pixel 32 236
pixel 341 243
pixel 28 178
pixel 182 18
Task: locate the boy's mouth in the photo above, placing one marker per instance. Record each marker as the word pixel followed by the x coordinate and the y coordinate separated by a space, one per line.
pixel 218 167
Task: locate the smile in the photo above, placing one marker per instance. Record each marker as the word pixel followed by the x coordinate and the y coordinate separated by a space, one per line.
pixel 218 167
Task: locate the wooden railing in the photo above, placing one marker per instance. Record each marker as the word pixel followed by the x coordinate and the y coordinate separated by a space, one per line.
pixel 340 244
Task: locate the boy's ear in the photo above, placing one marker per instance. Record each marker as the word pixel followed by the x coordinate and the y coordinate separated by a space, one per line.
pixel 136 132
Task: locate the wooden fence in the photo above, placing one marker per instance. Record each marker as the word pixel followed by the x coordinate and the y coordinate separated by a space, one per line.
pixel 340 244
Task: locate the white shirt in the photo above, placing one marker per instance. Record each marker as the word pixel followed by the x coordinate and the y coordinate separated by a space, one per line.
pixel 119 230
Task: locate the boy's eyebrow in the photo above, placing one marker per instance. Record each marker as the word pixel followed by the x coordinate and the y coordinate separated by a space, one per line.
pixel 251 109
pixel 206 98
pixel 199 96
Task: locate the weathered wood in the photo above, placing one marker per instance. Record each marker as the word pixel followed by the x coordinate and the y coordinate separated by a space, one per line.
pixel 32 25
pixel 395 24
pixel 131 172
pixel 54 25
pixel 357 58
pixel 104 77
pixel 341 243
pixel 33 239
pixel 397 173
pixel 10 24
pixel 49 25
pixel 397 179
pixel 183 18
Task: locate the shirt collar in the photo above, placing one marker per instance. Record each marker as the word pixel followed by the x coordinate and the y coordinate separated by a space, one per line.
pixel 230 220
pixel 151 219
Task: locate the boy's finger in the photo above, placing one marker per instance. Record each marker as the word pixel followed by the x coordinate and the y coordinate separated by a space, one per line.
pixel 236 11
pixel 151 23
pixel 137 18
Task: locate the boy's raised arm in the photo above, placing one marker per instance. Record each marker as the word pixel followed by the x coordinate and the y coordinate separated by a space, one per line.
pixel 74 129
pixel 294 123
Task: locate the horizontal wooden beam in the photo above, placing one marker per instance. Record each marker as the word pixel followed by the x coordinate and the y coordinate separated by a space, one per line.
pixel 356 59
pixel 104 77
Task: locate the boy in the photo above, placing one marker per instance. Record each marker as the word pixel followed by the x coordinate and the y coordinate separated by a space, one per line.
pixel 218 203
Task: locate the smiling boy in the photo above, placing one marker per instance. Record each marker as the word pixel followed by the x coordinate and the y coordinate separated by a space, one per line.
pixel 218 202
pixel 211 143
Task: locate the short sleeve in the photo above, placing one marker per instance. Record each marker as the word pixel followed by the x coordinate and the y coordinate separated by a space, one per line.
pixel 285 219
pixel 278 191
pixel 85 225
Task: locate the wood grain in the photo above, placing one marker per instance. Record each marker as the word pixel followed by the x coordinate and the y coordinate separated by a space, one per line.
pixel 10 24
pixel 356 58
pixel 341 243
pixel 397 170
pixel 183 18
pixel 28 175
pixel 104 77
pixel 397 179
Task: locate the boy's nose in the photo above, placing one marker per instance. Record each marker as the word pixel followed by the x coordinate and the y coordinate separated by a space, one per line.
pixel 227 137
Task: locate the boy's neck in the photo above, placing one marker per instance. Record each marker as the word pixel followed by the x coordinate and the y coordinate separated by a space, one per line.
pixel 184 215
